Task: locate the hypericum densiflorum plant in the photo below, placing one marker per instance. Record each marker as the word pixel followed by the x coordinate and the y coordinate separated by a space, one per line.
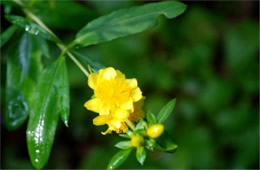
pixel 41 93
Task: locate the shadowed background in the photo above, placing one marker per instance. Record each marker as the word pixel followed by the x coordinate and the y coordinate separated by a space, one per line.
pixel 207 58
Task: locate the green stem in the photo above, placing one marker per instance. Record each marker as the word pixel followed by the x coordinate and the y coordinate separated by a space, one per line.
pixel 63 48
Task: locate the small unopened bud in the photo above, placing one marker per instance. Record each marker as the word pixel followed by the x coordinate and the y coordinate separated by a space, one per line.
pixel 155 130
pixel 137 141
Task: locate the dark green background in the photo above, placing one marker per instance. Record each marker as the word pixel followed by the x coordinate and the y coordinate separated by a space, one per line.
pixel 207 58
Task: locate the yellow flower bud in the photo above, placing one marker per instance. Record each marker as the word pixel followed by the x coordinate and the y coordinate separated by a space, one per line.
pixel 155 130
pixel 137 141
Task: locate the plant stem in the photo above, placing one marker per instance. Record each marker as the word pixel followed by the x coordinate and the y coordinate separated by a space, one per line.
pixel 60 45
pixel 130 124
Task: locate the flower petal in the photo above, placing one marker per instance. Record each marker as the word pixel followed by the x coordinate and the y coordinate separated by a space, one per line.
pixel 92 80
pixel 101 120
pixel 109 73
pixel 137 94
pixel 121 114
pixel 93 105
pixel 132 83
pixel 108 131
pixel 128 105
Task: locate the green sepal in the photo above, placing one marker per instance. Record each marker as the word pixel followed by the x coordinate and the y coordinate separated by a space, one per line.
pixel 124 145
pixel 166 111
pixel 123 135
pixel 141 125
pixel 118 159
pixel 150 144
pixel 141 155
pixel 140 132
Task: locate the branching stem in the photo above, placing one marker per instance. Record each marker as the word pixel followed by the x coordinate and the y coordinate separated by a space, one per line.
pixel 64 49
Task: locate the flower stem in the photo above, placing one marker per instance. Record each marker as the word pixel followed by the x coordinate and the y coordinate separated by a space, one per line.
pixel 130 124
pixel 60 45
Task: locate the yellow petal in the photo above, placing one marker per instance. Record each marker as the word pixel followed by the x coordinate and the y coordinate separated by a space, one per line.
pixel 114 124
pixel 108 131
pixel 132 83
pixel 128 105
pixel 109 73
pixel 121 114
pixel 120 74
pixel 93 105
pixel 137 94
pixel 101 120
pixel 92 80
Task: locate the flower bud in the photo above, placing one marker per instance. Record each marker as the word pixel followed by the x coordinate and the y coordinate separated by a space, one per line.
pixel 155 130
pixel 137 141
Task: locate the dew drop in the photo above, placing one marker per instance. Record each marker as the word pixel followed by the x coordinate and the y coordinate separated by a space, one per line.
pixel 36 160
pixel 27 28
pixel 37 151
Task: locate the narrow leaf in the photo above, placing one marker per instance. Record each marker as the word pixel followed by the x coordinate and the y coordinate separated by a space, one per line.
pixel 63 94
pixel 127 21
pixel 166 111
pixel 141 155
pixel 151 118
pixel 118 159
pixel 23 67
pixel 5 36
pixel 85 61
pixel 31 27
pixel 165 143
pixel 124 145
pixel 44 114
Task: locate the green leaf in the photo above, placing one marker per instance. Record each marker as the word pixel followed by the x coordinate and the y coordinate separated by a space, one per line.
pixel 85 60
pixel 7 34
pixel 45 112
pixel 124 145
pixel 63 94
pixel 166 111
pixel 127 21
pixel 23 67
pixel 118 159
pixel 141 155
pixel 165 143
pixel 43 45
pixel 31 27
pixel 151 118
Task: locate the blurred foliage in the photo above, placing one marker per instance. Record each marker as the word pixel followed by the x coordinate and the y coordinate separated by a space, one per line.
pixel 207 58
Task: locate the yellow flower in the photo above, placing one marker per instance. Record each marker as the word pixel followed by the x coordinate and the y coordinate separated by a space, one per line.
pixel 114 98
pixel 155 130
